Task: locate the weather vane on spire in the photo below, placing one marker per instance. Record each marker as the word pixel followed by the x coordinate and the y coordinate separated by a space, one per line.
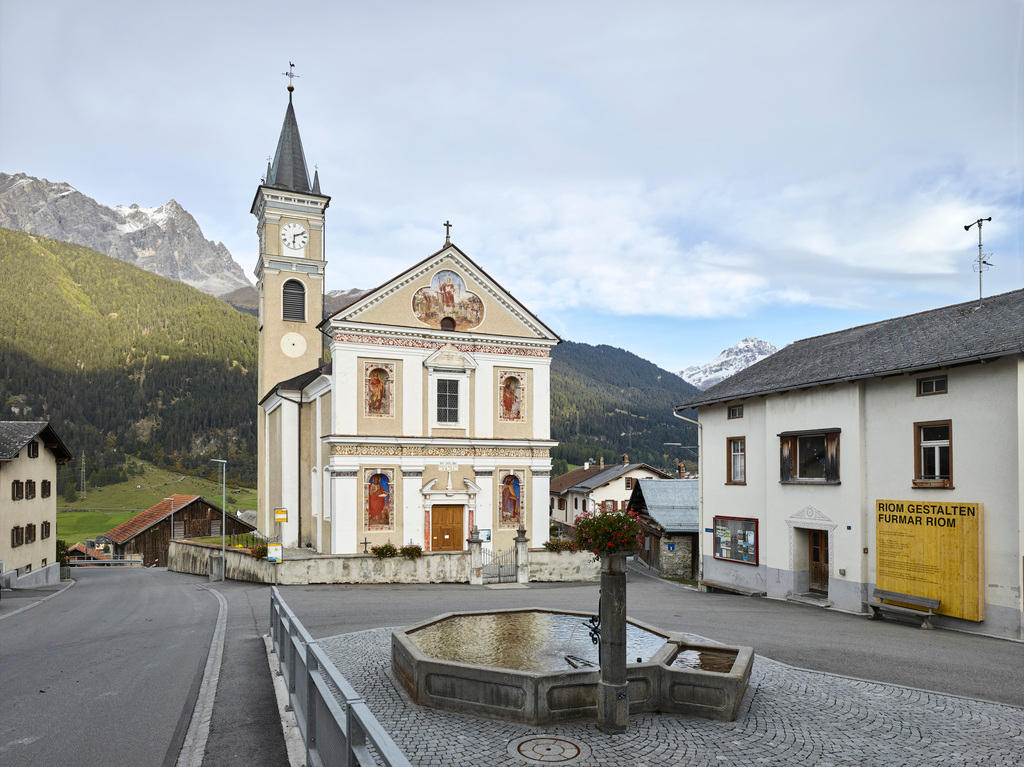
pixel 290 74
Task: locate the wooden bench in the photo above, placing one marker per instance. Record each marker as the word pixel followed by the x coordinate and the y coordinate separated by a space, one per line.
pixel 925 607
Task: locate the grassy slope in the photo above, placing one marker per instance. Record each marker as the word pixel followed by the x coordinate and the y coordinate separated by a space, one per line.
pixel 144 490
pixel 75 526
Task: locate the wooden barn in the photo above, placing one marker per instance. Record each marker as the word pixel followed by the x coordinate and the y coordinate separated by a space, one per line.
pixel 180 516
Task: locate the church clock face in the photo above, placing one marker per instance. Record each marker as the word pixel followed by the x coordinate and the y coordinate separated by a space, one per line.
pixel 293 344
pixel 294 236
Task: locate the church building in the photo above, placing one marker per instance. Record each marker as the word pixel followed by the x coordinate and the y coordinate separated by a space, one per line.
pixel 432 415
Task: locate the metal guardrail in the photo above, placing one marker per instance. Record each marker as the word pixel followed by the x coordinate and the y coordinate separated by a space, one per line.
pixel 113 561
pixel 337 726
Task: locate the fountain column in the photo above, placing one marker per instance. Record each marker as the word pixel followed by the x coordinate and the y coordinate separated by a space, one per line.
pixel 612 689
pixel 522 556
pixel 476 561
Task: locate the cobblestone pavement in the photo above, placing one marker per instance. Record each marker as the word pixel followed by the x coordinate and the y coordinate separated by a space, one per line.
pixel 789 717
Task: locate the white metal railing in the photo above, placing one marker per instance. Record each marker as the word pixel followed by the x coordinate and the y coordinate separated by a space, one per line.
pixel 113 561
pixel 337 726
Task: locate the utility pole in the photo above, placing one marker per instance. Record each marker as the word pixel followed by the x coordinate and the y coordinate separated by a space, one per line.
pixel 82 487
pixel 982 263
pixel 223 513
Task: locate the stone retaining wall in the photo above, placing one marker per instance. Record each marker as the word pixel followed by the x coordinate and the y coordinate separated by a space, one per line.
pixel 560 566
pixel 432 567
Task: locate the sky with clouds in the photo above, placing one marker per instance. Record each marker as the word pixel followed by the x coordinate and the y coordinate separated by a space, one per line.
pixel 665 177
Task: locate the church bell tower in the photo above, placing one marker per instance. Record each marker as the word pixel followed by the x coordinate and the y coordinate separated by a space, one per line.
pixel 290 269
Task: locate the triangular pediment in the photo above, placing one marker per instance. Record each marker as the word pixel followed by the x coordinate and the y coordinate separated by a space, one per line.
pixel 446 287
pixel 450 358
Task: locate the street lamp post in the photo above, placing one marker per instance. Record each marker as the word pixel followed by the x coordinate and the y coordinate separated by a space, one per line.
pixel 223 514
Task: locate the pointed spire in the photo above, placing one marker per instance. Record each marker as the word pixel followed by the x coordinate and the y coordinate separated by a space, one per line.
pixel 316 180
pixel 266 178
pixel 288 170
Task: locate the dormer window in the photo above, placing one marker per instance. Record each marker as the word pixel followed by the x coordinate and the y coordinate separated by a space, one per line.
pixel 293 301
pixel 33 449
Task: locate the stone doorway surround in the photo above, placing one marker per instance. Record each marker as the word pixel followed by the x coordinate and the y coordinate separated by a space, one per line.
pixel 449 496
pixel 807 518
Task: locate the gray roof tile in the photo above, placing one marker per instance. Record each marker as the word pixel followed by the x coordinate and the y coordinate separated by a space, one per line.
pixel 672 503
pixel 927 340
pixel 14 435
pixel 289 168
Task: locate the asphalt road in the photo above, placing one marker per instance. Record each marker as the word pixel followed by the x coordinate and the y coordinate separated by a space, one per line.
pixel 808 637
pixel 106 672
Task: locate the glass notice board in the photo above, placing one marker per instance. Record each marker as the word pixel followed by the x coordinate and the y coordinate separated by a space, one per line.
pixel 736 540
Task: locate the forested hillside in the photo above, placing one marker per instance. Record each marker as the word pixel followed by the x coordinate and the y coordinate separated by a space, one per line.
pixel 607 401
pixel 124 361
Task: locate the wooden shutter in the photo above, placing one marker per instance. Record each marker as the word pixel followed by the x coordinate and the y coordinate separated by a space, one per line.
pixel 293 301
pixel 787 458
pixel 832 456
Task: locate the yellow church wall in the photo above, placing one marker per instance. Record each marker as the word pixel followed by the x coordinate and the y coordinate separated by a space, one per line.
pixel 275 365
pixel 513 429
pixel 390 425
pixel 397 308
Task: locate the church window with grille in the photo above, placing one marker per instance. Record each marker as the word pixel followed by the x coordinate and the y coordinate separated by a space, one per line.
pixel 447 400
pixel 293 301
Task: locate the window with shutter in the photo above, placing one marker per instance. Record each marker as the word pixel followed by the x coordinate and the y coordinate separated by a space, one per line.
pixel 30 533
pixel 293 301
pixel 30 489
pixel 44 488
pixel 33 449
pixel 44 532
pixel 809 456
pixel 17 490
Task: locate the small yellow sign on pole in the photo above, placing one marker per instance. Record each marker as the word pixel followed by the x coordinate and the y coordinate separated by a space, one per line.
pixel 280 515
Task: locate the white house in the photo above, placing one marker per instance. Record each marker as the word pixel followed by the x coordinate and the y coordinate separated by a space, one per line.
pixel 29 454
pixel 596 487
pixel 888 455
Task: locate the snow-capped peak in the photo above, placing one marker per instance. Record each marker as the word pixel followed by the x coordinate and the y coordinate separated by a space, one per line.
pixel 728 363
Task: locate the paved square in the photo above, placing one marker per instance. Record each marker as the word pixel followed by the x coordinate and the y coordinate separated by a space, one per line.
pixel 789 717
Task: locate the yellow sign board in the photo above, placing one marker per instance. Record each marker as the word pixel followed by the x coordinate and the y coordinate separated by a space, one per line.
pixel 280 515
pixel 932 550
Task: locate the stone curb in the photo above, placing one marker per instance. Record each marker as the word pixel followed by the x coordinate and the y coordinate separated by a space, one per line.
pixel 194 748
pixel 39 602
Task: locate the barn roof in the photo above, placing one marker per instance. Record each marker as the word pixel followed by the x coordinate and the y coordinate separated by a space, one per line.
pixel 151 516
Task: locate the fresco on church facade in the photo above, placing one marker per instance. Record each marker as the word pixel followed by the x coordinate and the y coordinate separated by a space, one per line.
pixel 378 513
pixel 510 501
pixel 378 389
pixel 511 395
pixel 447 296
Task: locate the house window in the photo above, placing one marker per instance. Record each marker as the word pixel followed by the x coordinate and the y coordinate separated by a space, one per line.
pixel 735 411
pixel 30 533
pixel 561 504
pixel 17 536
pixel 447 400
pixel 293 301
pixel 45 530
pixel 33 449
pixel 44 488
pixel 30 489
pixel 629 483
pixel 933 454
pixel 17 490
pixel 736 450
pixel 43 563
pixel 809 456
pixel 932 385
pixel 576 503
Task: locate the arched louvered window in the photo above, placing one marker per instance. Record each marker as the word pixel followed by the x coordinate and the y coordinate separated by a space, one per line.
pixel 293 301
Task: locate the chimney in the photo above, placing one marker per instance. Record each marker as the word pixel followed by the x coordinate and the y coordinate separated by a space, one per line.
pixel 625 458
pixel 602 461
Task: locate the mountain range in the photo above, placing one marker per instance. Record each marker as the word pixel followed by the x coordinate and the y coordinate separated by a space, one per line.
pixel 728 363
pixel 165 239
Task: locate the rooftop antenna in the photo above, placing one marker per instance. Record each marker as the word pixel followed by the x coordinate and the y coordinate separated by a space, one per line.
pixel 982 264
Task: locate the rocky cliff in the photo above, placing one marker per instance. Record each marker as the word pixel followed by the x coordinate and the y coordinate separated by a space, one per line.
pixel 165 240
pixel 729 362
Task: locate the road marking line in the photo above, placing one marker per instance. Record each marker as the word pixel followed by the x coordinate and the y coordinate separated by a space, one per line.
pixel 36 604
pixel 194 747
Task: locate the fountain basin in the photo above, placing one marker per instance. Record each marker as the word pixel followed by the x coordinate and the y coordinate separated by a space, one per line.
pixel 511 664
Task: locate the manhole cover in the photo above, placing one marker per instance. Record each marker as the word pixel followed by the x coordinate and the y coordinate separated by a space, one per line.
pixel 547 750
